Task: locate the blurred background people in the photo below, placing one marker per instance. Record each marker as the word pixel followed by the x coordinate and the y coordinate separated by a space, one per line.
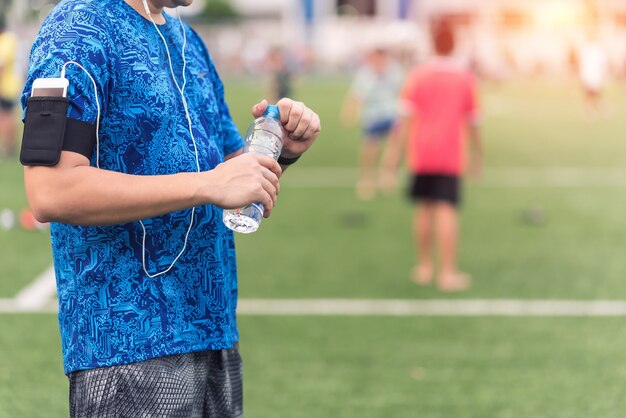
pixel 531 229
pixel 10 85
pixel 281 75
pixel 373 97
pixel 593 68
pixel 442 107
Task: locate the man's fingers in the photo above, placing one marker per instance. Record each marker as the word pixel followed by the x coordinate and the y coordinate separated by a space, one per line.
pixel 269 181
pixel 267 207
pixel 303 125
pixel 295 114
pixel 273 178
pixel 269 176
pixel 271 190
pixel 316 125
pixel 269 197
pixel 259 108
pixel 300 122
pixel 270 163
pixel 285 105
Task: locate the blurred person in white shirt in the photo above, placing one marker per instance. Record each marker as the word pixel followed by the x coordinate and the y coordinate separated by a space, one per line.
pixel 593 68
pixel 374 99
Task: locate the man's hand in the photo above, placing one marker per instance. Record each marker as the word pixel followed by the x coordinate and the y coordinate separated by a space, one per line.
pixel 243 180
pixel 301 124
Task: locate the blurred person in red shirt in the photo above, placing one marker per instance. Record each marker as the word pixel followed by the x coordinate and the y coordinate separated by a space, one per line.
pixel 442 111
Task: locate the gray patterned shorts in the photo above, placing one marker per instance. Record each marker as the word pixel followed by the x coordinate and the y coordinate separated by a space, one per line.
pixel 204 384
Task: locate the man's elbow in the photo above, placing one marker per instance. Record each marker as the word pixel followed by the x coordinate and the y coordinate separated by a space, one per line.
pixel 49 189
pixel 43 207
pixel 44 199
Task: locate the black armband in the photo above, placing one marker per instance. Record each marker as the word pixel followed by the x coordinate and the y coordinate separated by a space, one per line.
pixel 48 131
pixel 80 137
pixel 44 129
pixel 288 161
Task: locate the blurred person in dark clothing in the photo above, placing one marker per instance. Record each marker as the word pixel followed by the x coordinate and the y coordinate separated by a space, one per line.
pixel 281 82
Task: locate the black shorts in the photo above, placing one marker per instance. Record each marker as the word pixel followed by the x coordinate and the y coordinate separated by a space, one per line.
pixel 206 384
pixel 435 188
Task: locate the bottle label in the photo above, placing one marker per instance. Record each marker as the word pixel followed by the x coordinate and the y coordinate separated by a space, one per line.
pixel 259 207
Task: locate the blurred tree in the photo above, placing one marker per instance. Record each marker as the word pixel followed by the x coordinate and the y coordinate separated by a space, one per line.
pixel 219 10
pixel 4 9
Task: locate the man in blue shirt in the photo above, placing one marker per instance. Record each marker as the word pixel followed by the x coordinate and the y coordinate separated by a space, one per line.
pixel 147 309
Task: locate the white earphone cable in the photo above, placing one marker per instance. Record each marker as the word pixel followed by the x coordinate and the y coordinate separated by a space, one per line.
pixel 95 91
pixel 193 139
pixel 188 117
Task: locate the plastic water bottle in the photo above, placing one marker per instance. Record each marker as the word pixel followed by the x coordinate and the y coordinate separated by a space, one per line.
pixel 265 137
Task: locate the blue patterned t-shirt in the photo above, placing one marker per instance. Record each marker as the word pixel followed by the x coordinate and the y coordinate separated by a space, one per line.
pixel 110 311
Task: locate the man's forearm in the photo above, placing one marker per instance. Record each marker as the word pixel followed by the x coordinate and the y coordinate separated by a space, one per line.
pixel 75 193
pixel 90 196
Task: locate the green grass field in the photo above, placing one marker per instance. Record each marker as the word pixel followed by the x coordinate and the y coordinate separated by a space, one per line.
pixel 322 242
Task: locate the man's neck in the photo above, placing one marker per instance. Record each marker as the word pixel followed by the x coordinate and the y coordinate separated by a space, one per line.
pixel 155 11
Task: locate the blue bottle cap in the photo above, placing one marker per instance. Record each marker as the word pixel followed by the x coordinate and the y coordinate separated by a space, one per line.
pixel 272 111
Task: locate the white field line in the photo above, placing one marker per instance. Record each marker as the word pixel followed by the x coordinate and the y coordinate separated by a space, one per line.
pixel 8 306
pixel 37 295
pixel 475 307
pixel 402 308
pixel 510 177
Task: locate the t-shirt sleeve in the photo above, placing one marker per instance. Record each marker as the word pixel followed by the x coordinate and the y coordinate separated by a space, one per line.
pixel 77 37
pixel 232 138
pixel 74 36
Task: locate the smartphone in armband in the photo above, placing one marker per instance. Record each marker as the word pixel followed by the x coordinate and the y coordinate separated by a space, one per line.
pixel 50 87
pixel 44 122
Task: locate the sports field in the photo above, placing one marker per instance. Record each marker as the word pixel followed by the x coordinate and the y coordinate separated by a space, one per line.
pixel 322 243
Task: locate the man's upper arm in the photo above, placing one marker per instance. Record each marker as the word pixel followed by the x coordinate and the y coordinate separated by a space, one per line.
pixel 85 40
pixel 43 183
pixel 68 160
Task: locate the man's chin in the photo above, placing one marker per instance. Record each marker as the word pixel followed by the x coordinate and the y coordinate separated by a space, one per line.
pixel 183 3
